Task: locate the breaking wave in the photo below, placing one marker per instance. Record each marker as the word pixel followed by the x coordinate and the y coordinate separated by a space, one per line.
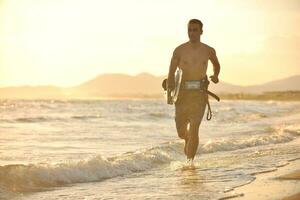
pixel 36 177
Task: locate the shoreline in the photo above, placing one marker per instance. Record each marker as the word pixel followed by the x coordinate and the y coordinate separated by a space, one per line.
pixel 260 96
pixel 284 183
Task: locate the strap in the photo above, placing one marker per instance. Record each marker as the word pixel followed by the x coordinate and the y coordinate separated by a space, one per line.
pixel 213 95
pixel 209 113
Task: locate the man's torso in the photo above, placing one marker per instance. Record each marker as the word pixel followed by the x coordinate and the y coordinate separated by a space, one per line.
pixel 193 60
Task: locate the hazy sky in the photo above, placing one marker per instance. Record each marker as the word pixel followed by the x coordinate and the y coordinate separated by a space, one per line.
pixel 66 42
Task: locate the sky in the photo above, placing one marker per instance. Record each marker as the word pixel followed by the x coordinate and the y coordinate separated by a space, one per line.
pixel 67 42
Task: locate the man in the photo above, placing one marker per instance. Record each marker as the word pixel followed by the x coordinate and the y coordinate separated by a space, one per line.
pixel 192 57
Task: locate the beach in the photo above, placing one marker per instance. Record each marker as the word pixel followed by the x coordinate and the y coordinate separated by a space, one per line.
pixel 283 183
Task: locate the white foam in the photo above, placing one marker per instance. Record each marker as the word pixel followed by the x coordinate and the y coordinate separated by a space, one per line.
pixel 38 176
pixel 35 177
pixel 281 135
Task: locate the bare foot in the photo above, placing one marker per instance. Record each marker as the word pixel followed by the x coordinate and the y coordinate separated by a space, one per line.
pixel 190 161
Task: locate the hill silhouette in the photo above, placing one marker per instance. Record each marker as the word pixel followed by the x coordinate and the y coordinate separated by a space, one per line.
pixel 143 85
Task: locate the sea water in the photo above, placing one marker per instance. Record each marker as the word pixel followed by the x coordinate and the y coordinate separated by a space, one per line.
pixel 129 149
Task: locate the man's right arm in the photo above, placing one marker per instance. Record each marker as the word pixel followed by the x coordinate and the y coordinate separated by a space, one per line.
pixel 216 66
pixel 174 63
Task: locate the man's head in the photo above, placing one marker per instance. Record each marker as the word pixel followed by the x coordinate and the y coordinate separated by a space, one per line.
pixel 195 30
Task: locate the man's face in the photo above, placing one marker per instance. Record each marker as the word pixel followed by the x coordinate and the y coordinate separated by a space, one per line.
pixel 194 32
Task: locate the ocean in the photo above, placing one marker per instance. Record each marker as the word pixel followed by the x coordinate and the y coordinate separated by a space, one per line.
pixel 129 149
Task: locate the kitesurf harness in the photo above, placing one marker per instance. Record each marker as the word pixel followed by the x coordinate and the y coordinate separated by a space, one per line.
pixel 202 86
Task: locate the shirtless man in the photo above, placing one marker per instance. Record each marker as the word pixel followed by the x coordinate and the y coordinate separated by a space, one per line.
pixel 192 57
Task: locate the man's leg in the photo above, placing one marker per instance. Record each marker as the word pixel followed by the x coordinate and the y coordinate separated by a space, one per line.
pixel 182 125
pixel 196 115
pixel 182 131
pixel 193 140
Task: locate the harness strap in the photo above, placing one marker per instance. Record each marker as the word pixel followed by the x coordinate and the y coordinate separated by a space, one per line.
pixel 213 95
pixel 209 113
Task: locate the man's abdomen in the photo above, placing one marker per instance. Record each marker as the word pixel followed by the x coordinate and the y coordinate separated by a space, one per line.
pixel 193 73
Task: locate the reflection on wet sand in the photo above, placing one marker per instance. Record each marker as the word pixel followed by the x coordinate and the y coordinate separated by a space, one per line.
pixel 191 179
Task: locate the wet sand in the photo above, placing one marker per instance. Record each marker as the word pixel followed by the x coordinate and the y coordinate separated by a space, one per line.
pixel 283 183
pixel 292 176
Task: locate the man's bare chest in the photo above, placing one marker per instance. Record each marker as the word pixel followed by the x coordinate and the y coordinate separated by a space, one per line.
pixel 193 59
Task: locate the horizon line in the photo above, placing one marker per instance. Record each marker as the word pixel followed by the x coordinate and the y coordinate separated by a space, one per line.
pixel 138 74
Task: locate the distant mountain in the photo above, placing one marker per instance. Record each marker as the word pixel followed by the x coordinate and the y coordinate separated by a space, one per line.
pixel 121 84
pixel 287 84
pixel 142 86
pixel 290 83
pixel 223 87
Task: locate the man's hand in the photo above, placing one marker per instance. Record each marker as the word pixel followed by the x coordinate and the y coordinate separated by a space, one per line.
pixel 171 84
pixel 214 78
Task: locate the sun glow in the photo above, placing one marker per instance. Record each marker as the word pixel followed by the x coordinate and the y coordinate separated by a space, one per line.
pixel 67 42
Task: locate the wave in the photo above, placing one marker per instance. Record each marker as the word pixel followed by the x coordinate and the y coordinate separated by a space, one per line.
pixel 34 119
pixel 241 117
pixel 86 116
pixel 253 116
pixel 37 177
pixel 280 135
pixel 31 119
pixel 48 119
pixel 226 108
pixel 158 115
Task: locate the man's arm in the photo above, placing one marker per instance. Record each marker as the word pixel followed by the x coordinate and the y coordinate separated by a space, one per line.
pixel 174 63
pixel 216 66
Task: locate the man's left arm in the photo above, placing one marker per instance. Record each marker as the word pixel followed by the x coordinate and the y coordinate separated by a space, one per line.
pixel 216 66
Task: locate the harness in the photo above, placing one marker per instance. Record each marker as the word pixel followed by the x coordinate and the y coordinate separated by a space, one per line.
pixel 202 86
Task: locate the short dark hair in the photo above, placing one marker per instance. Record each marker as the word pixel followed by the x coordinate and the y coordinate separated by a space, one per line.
pixel 196 21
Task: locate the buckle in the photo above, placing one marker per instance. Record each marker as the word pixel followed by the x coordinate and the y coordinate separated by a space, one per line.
pixel 192 85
